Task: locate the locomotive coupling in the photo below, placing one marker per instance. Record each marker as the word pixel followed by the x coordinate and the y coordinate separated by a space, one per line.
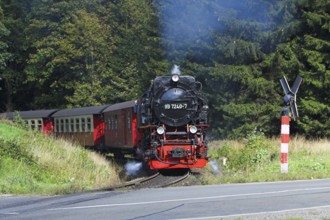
pixel 179 152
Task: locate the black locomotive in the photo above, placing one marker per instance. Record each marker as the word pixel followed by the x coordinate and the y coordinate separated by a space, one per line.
pixel 173 113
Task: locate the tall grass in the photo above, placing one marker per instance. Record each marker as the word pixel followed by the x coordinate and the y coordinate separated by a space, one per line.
pixel 257 159
pixel 31 162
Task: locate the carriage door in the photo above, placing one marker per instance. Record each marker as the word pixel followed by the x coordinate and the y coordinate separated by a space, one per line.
pixel 125 127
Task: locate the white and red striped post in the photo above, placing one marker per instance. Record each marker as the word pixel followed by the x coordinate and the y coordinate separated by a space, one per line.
pixel 285 138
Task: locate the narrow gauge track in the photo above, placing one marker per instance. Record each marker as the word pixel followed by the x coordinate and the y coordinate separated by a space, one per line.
pixel 163 180
pixel 157 180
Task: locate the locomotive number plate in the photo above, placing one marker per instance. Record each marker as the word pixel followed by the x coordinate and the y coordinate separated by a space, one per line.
pixel 175 106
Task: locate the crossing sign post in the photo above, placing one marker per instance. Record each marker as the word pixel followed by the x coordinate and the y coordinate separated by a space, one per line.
pixel 290 107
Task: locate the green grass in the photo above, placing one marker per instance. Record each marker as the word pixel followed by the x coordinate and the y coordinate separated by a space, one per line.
pixel 32 163
pixel 257 159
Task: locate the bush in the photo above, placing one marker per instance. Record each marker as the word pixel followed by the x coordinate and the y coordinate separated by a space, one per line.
pixel 15 151
pixel 19 122
pixel 254 152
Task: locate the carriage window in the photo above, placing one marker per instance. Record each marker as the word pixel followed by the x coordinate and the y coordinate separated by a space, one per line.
pixel 83 124
pixel 67 125
pixel 72 125
pixel 56 125
pixel 61 125
pixel 89 124
pixel 32 125
pixel 39 125
pixel 77 125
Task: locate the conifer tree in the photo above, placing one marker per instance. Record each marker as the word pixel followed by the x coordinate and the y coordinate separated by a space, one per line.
pixel 137 56
pixel 301 44
pixel 312 49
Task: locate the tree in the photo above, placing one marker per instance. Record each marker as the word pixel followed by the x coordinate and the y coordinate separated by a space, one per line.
pixel 91 53
pixel 137 57
pixel 56 53
pixel 70 54
pixel 4 56
pixel 302 45
pixel 82 53
pixel 241 97
pixel 15 90
pixel 312 49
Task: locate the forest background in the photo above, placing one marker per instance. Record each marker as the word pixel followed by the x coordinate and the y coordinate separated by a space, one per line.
pixel 63 54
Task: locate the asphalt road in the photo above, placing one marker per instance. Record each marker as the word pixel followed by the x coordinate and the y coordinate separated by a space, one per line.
pixel 276 200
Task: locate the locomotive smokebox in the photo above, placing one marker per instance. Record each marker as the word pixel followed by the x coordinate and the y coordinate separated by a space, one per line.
pixel 174 102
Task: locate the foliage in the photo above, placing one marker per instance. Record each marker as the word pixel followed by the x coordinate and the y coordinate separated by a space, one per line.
pixel 255 152
pixel 15 151
pixel 19 122
pixel 56 54
pixel 4 55
pixel 12 82
pixel 308 159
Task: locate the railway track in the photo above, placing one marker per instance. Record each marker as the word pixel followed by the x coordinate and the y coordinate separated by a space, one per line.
pixel 163 180
pixel 157 180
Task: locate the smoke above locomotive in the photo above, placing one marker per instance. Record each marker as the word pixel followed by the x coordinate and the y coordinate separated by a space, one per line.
pixel 187 26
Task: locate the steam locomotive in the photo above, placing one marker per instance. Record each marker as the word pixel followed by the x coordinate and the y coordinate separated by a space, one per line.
pixel 166 127
pixel 173 118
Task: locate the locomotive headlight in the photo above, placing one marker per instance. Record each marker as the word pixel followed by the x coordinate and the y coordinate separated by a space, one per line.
pixel 175 78
pixel 205 107
pixel 160 130
pixel 193 129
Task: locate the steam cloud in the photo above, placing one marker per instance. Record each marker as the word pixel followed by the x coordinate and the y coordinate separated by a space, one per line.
pixel 176 70
pixel 133 167
pixel 189 24
pixel 214 167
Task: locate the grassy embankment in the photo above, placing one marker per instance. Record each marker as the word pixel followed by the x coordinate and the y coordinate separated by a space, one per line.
pixel 32 163
pixel 257 159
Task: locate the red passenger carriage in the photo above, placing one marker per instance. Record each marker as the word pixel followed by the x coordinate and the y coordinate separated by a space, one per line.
pixel 36 120
pixel 121 133
pixel 84 125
